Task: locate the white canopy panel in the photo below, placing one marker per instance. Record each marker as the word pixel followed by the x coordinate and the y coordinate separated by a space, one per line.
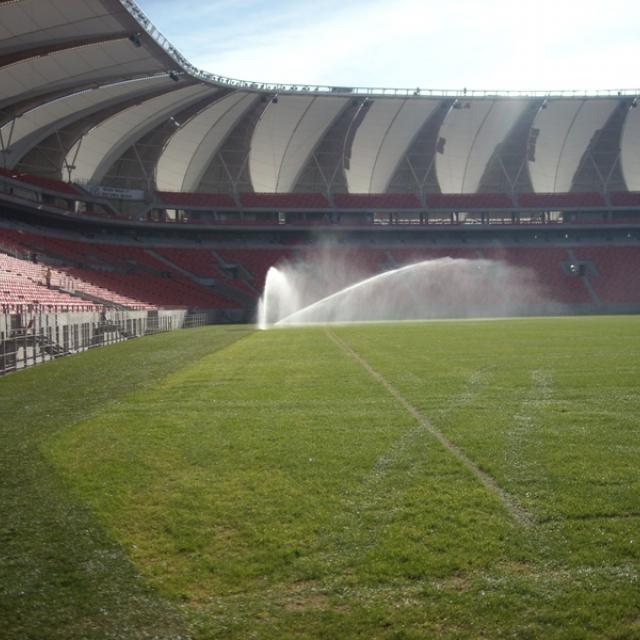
pixel 191 149
pixel 31 128
pixel 29 23
pixel 566 126
pixel 285 137
pixel 77 61
pixel 469 135
pixel 95 152
pixel 382 139
pixel 457 134
pixel 62 70
pixel 630 149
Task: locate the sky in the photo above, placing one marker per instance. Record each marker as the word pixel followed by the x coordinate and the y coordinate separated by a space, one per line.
pixel 447 44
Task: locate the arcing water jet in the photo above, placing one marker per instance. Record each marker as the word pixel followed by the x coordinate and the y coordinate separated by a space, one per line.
pixel 441 288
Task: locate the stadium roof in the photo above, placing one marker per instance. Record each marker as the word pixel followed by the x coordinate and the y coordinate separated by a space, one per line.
pixel 92 93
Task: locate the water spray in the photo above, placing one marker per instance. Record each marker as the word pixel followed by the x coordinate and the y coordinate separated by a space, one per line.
pixel 439 288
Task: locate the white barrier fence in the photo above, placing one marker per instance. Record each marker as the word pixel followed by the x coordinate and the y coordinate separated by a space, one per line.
pixel 32 337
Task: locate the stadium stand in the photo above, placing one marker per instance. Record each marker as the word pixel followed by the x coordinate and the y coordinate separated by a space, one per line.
pixel 561 201
pixel 197 200
pixel 118 274
pixel 365 261
pixel 44 183
pixel 376 201
pixel 625 198
pixel 155 276
pixel 165 188
pixel 24 284
pixel 547 263
pixel 616 272
pixel 255 262
pixel 469 201
pixel 260 209
pixel 409 255
pixel 284 200
pixel 199 262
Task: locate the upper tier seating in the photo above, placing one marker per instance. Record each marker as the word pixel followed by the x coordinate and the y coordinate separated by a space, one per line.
pixel 46 184
pixel 374 201
pixel 559 201
pixel 625 198
pixel 197 200
pixel 469 201
pixel 284 200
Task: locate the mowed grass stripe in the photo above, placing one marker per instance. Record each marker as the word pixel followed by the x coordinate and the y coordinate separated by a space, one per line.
pixel 516 510
pixel 233 435
pixel 258 468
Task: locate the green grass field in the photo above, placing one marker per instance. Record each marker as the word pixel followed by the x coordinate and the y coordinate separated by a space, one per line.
pixel 470 479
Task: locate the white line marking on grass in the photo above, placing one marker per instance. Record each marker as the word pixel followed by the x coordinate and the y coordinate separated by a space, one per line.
pixel 476 381
pixel 518 513
pixel 521 455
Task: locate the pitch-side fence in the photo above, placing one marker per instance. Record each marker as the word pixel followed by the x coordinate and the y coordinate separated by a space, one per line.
pixel 33 337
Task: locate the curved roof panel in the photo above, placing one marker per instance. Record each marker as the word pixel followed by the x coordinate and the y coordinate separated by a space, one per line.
pixel 94 153
pixel 382 139
pixel 35 125
pixel 468 137
pixel 74 68
pixel 67 65
pixel 562 131
pixel 284 138
pixel 630 149
pixel 191 149
pixel 30 23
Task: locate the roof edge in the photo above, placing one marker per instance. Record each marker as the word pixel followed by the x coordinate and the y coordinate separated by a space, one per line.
pixel 418 92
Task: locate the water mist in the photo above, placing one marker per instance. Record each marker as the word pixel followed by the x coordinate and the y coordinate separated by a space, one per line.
pixel 439 288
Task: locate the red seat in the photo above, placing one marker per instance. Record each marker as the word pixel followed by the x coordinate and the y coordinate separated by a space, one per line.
pixel 560 201
pixel 375 201
pixel 469 201
pixel 277 201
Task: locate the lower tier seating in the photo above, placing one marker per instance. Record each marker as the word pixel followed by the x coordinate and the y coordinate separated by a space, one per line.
pixel 63 273
pixel 616 278
pixel 24 283
pixel 548 263
pixel 115 274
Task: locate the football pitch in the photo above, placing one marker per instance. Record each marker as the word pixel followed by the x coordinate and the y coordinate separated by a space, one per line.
pixel 449 479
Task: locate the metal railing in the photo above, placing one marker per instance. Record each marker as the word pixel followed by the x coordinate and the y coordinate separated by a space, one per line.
pixel 32 337
pixel 272 87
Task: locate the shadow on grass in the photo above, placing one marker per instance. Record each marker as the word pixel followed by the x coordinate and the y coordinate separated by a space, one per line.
pixel 61 575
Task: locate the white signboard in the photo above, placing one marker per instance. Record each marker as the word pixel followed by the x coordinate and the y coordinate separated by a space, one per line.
pixel 113 193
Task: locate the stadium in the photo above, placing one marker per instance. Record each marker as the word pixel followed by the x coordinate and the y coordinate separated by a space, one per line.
pixel 456 473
